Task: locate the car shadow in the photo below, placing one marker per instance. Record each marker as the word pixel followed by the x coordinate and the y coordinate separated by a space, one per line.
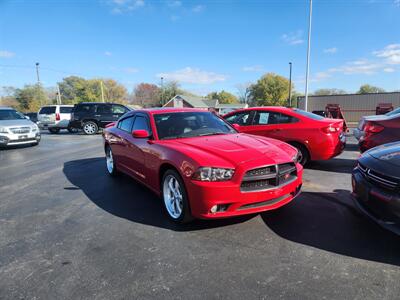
pixel 330 221
pixel 124 197
pixel 337 165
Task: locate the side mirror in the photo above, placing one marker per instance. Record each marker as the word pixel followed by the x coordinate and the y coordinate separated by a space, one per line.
pixel 140 134
pixel 27 117
pixel 236 126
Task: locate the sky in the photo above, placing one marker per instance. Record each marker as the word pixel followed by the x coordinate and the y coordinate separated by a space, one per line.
pixel 205 45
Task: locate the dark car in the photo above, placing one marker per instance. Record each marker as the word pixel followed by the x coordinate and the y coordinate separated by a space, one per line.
pixel 90 116
pixel 376 185
pixel 32 116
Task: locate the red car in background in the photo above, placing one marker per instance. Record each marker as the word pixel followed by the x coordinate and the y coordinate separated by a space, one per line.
pixel 200 165
pixel 316 137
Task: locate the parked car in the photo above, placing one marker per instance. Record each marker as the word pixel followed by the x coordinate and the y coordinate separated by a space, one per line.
pixel 55 117
pixel 32 116
pixel 90 116
pixel 316 137
pixel 373 131
pixel 376 185
pixel 200 165
pixel 17 129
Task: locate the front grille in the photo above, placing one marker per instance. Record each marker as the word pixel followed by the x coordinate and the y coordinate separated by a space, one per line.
pixel 379 179
pixel 268 177
pixel 18 130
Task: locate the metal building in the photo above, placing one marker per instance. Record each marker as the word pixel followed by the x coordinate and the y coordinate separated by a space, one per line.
pixel 354 106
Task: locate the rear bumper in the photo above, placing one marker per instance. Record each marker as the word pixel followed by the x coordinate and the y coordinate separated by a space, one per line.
pixel 381 206
pixel 330 148
pixel 204 195
pixel 64 124
pixel 14 139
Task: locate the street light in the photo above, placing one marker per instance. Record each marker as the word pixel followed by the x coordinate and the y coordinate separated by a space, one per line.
pixel 290 84
pixel 308 58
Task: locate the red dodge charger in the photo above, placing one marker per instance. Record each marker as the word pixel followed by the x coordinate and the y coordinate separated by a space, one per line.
pixel 200 165
pixel 316 137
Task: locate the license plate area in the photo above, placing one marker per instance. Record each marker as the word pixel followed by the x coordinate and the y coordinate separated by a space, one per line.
pixel 22 137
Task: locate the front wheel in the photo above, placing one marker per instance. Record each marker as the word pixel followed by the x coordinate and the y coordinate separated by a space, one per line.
pixel 175 198
pixel 90 128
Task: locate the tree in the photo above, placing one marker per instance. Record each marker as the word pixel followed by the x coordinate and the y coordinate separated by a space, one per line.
pixel 30 97
pixel 146 95
pixel 113 91
pixel 223 97
pixel 369 89
pixel 325 92
pixel 270 89
pixel 243 90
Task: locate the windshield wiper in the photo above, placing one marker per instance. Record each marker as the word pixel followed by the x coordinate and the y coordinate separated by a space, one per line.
pixel 212 133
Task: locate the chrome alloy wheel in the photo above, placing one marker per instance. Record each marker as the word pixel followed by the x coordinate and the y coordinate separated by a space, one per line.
pixel 89 128
pixel 173 198
pixel 109 161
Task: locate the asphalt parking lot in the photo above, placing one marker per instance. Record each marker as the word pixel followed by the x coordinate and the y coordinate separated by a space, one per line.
pixel 69 231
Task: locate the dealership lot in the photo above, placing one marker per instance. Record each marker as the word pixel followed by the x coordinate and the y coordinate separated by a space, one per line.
pixel 68 230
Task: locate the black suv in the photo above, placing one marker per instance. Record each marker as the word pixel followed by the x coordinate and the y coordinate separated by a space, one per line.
pixel 90 116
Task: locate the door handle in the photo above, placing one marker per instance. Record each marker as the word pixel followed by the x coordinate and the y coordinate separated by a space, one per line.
pixel 97 115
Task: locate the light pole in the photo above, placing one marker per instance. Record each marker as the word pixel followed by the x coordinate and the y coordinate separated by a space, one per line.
pixel 162 91
pixel 38 84
pixel 308 58
pixel 290 84
pixel 37 73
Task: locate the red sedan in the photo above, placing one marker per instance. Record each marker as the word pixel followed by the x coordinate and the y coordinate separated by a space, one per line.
pixel 316 137
pixel 200 165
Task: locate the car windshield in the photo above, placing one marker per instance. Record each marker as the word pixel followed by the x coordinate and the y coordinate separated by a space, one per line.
pixel 10 114
pixel 308 114
pixel 190 124
pixel 394 112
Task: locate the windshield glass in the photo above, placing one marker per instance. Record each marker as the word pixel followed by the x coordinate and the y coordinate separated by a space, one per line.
pixel 9 114
pixel 394 112
pixel 190 124
pixel 308 114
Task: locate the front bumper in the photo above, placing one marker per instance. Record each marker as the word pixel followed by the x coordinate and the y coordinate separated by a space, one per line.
pixel 19 139
pixel 204 195
pixel 380 205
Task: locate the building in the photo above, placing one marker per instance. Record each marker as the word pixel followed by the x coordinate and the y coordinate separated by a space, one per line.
pixel 353 106
pixel 203 103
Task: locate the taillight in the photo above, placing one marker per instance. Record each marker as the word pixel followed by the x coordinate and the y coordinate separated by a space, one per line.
pixel 58 117
pixel 330 129
pixel 371 127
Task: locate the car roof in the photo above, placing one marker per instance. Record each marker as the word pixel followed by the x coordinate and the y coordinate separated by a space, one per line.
pixel 93 103
pixel 6 108
pixel 163 110
pixel 271 108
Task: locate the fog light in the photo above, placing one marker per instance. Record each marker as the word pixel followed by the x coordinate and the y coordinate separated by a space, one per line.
pixel 214 209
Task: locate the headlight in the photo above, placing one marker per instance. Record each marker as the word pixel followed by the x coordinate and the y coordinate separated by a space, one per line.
pixel 3 130
pixel 296 157
pixel 213 174
pixel 35 128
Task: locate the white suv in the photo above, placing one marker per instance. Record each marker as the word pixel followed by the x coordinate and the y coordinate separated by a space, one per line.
pixel 16 129
pixel 55 117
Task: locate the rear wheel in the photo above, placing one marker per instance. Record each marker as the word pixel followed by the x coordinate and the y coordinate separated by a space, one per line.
pixel 175 197
pixel 90 128
pixel 54 130
pixel 72 129
pixel 110 163
pixel 304 155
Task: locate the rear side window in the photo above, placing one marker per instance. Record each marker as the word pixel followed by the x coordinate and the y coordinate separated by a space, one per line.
pixel 47 110
pixel 270 118
pixel 65 110
pixel 141 124
pixel 84 108
pixel 126 124
pixel 104 109
pixel 118 109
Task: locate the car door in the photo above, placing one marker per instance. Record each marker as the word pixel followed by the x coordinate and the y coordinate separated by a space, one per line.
pixel 104 114
pixel 135 149
pixel 118 111
pixel 121 135
pixel 242 119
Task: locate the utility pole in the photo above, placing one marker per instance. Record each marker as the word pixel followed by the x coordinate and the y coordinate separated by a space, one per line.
pixel 162 91
pixel 308 58
pixel 290 84
pixel 102 91
pixel 38 83
pixel 58 94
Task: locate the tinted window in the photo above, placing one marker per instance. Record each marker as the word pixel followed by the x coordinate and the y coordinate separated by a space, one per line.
pixel 241 119
pixel 10 114
pixel 270 118
pixel 126 124
pixel 85 108
pixel 141 124
pixel 118 109
pixel 104 109
pixel 65 110
pixel 47 110
pixel 308 114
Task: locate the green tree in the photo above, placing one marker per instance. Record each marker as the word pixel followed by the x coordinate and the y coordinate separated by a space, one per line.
pixel 324 92
pixel 369 89
pixel 223 97
pixel 113 91
pixel 270 89
pixel 30 97
pixel 146 95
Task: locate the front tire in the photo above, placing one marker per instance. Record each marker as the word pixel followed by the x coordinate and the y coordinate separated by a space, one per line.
pixel 90 128
pixel 110 162
pixel 54 130
pixel 175 198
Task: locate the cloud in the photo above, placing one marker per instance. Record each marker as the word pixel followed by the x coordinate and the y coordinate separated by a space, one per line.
pixel 107 53
pixel 293 38
pixel 397 3
pixel 193 75
pixel 124 6
pixel 198 8
pixel 174 3
pixel 331 50
pixel 131 70
pixel 391 54
pixel 255 68
pixel 389 70
pixel 6 54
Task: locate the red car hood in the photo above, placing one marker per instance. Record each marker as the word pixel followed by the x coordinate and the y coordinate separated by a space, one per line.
pixel 234 148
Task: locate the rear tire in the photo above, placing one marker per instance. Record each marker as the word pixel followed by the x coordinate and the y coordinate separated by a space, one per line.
pixel 54 130
pixel 175 197
pixel 110 162
pixel 303 153
pixel 72 129
pixel 90 128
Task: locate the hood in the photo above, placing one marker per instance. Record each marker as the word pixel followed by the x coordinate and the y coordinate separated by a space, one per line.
pixel 389 153
pixel 16 123
pixel 234 149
